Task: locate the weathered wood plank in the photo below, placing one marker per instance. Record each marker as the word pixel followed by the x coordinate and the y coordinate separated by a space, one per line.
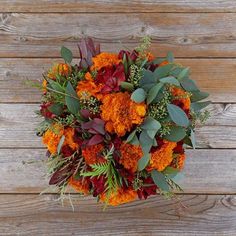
pixel 209 74
pixel 18 123
pixel 190 215
pixel 118 6
pixel 187 35
pixel 23 171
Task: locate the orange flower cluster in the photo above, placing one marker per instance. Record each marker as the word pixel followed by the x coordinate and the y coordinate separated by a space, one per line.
pixel 61 69
pixel 120 197
pixel 92 154
pixel 81 186
pixel 124 113
pixel 51 138
pixel 130 154
pixel 87 88
pixel 162 157
pixel 178 161
pixel 182 97
pixel 104 59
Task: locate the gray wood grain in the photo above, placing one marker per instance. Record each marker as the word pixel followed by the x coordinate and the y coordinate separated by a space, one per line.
pixel 206 171
pixel 118 6
pixel 209 75
pixel 196 215
pixel 186 34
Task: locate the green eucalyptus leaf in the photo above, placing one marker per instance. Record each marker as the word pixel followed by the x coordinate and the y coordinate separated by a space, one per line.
pixel 189 85
pixel 138 95
pixel 192 137
pixel 198 96
pixel 66 54
pixel 131 136
pixel 197 106
pixel 56 86
pixel 170 57
pixel 170 80
pixel 148 80
pixel 163 71
pixel 127 86
pixel 170 170
pixel 72 100
pixel 153 92
pixel 145 142
pixel 143 162
pixel 151 133
pixel 60 144
pixel 56 109
pixel 177 115
pixel 188 141
pixel 176 134
pixel 160 180
pixel 183 74
pixel 135 140
pixel 151 124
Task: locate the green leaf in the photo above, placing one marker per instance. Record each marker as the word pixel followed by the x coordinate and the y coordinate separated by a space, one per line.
pixel 150 124
pixel 189 85
pixel 56 109
pixel 66 54
pixel 143 162
pixel 176 134
pixel 183 74
pixel 153 92
pixel 160 180
pixel 148 80
pixel 56 86
pixel 163 71
pixel 138 95
pixel 145 141
pixel 158 61
pixel 60 144
pixel 131 136
pixel 192 137
pixel 135 140
pixel 170 171
pixel 188 141
pixel 177 115
pixel 127 86
pixel 125 63
pixel 198 96
pixel 197 106
pixel 170 80
pixel 72 100
pixel 170 57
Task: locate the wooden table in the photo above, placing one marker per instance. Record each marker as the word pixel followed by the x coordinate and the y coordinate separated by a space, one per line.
pixel 202 35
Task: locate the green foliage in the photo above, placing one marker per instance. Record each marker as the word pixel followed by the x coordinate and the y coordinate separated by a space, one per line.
pixel 135 75
pixel 163 71
pixel 160 180
pixel 68 120
pixel 143 162
pixel 71 99
pixel 43 127
pixel 176 134
pixel 152 93
pixel 177 115
pixel 170 80
pixel 138 95
pixel 56 109
pixel 127 86
pixel 142 49
pixel 66 54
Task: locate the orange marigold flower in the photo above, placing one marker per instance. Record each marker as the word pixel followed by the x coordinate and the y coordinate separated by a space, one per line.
pixel 150 56
pixel 92 154
pixel 51 138
pixel 81 186
pixel 183 97
pixel 130 154
pixel 162 157
pixel 88 76
pixel 120 197
pixel 62 69
pixel 104 59
pixel 124 113
pixel 44 85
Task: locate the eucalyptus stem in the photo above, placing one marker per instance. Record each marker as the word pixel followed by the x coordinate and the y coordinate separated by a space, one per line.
pixel 65 94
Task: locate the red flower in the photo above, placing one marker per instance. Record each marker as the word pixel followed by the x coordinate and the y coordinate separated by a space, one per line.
pixel 45 112
pixel 98 185
pixel 111 77
pixel 148 189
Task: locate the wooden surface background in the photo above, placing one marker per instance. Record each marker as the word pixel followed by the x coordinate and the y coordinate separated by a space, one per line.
pixel 202 35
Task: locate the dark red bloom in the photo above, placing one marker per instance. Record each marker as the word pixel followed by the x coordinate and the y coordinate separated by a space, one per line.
pixel 66 151
pixel 111 77
pixel 148 189
pixel 45 112
pixel 129 55
pixel 98 185
pixel 179 148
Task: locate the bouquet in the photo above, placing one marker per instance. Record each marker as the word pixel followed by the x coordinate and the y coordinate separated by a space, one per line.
pixel 116 124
